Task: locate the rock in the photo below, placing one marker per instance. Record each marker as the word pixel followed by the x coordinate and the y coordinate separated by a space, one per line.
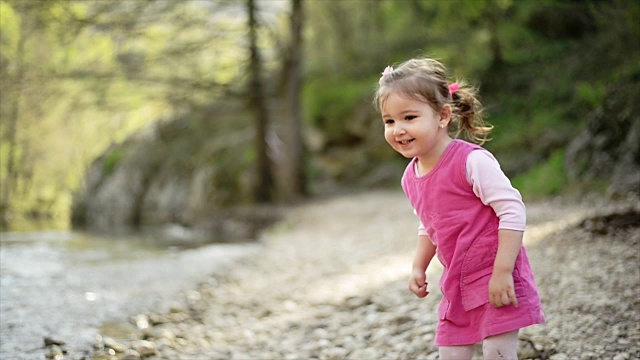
pixel 621 356
pixel 402 319
pixel 141 321
pixel 608 148
pixel 382 333
pixel 50 341
pixel 158 319
pixel 55 353
pixel 141 182
pixel 144 348
pixel 165 333
pixel 179 316
pixel 320 333
pixel 115 345
pixel 589 356
pixel 334 353
pixel 433 356
pixel 368 353
pixel 162 344
pixel 240 356
pixel 130 355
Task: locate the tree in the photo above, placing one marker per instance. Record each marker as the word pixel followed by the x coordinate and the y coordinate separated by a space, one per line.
pixel 263 191
pixel 12 102
pixel 77 76
pixel 19 112
pixel 294 87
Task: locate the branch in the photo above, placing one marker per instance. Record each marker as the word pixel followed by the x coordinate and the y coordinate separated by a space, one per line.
pixel 185 83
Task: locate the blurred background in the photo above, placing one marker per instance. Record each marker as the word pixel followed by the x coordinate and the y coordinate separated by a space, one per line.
pixel 198 116
pixel 146 112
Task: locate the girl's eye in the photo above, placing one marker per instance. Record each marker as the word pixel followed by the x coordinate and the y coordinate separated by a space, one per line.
pixel 410 117
pixel 388 121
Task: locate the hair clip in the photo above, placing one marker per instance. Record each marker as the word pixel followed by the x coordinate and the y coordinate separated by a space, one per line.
pixel 387 71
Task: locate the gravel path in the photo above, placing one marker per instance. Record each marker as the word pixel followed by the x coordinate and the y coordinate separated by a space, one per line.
pixel 331 283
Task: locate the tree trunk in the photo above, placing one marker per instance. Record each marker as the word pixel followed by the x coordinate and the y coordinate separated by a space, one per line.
pixel 494 42
pixel 14 100
pixel 263 191
pixel 341 21
pixel 294 87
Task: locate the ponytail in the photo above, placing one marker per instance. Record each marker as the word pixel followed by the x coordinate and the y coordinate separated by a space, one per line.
pixel 467 114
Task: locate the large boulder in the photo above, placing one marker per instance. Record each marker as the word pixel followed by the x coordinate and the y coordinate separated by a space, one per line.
pixel 608 150
pixel 174 174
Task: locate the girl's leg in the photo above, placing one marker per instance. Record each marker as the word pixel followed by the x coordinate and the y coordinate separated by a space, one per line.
pixel 502 346
pixel 464 352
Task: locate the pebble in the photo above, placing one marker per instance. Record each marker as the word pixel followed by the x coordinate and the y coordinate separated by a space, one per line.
pixel 621 356
pixel 315 292
pixel 144 348
pixel 131 355
pixel 115 345
pixel 55 353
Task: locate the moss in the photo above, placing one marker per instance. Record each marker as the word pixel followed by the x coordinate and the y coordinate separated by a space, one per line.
pixel 112 160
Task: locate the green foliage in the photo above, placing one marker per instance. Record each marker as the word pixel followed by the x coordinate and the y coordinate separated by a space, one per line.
pixel 545 179
pixel 78 76
pixel 92 73
pixel 591 95
pixel 10 29
pixel 112 160
pixel 329 103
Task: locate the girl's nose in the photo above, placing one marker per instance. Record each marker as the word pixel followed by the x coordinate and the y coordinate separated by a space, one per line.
pixel 398 129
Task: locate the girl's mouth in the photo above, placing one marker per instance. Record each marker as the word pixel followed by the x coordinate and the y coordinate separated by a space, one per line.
pixel 405 142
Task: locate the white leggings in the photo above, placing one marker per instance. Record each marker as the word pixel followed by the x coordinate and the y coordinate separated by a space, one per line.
pixel 498 347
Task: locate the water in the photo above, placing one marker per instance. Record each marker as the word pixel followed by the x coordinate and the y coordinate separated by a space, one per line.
pixel 65 284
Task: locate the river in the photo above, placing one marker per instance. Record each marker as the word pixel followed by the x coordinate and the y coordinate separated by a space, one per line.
pixel 66 284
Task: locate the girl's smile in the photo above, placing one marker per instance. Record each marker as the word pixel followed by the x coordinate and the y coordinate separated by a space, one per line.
pixel 405 142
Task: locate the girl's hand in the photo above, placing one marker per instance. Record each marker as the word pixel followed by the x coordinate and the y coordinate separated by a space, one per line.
pixel 418 283
pixel 501 289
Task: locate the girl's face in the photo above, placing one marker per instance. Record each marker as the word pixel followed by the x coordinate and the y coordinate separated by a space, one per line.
pixel 413 128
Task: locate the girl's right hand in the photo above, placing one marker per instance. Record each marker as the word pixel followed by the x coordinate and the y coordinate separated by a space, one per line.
pixel 418 283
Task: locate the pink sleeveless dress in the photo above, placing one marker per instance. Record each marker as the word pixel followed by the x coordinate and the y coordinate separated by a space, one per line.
pixel 465 232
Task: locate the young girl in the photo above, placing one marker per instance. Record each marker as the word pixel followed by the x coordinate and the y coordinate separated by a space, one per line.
pixel 470 215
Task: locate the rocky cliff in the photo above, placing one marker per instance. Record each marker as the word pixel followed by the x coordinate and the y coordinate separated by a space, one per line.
pixel 608 150
pixel 188 172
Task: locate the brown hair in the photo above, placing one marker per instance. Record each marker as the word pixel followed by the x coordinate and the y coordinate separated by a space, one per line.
pixel 425 80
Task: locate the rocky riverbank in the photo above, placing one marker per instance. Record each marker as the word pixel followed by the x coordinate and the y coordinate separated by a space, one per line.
pixel 331 284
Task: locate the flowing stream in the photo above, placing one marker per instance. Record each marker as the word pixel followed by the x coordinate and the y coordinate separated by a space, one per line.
pixel 66 284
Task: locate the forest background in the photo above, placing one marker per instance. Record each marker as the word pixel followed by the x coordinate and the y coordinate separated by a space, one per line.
pixel 136 112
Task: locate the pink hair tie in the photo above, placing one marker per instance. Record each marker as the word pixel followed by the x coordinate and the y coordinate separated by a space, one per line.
pixel 453 88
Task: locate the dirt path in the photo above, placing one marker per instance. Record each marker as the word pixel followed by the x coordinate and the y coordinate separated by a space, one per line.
pixel 331 284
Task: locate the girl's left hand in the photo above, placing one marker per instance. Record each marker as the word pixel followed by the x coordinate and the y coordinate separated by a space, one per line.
pixel 501 289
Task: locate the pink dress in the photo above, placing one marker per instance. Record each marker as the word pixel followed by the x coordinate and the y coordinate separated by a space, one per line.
pixel 465 233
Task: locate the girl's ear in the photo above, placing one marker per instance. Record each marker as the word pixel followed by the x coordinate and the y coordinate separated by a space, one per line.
pixel 445 114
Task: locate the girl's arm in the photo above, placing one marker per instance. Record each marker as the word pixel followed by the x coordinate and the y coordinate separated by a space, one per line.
pixel 501 288
pixel 424 254
pixel 493 188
